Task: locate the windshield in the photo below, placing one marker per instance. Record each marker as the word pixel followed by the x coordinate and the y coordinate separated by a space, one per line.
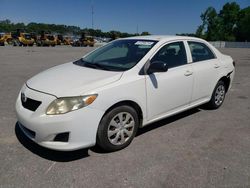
pixel 120 55
pixel 51 37
pixel 27 36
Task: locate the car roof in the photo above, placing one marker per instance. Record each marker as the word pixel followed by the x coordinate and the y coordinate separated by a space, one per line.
pixel 164 37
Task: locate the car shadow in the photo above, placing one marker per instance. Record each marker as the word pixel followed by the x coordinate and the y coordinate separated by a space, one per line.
pixel 59 156
pixel 166 121
pixel 156 125
pixel 67 156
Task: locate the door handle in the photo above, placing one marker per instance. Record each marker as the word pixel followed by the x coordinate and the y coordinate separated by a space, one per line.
pixel 216 66
pixel 188 73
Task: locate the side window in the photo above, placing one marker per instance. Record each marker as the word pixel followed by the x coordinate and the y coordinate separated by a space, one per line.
pixel 174 54
pixel 200 51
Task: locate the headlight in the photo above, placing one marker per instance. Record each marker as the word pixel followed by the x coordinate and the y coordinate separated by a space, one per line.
pixel 68 104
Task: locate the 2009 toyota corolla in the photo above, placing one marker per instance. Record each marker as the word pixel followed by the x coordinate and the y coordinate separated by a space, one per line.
pixel 104 97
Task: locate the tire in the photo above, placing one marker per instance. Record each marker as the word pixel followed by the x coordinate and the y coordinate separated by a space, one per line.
pixel 15 43
pixel 218 96
pixel 10 41
pixel 109 135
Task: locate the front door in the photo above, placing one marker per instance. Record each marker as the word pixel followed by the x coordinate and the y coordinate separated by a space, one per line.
pixel 171 90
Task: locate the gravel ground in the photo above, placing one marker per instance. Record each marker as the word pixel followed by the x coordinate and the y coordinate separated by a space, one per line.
pixel 198 148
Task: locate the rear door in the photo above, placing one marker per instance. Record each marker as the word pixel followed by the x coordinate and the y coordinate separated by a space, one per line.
pixel 206 69
pixel 171 90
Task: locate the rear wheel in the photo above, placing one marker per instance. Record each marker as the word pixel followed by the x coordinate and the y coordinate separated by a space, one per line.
pixel 218 95
pixel 15 43
pixel 9 41
pixel 38 43
pixel 117 128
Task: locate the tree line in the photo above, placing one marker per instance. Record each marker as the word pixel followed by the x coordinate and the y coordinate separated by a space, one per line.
pixel 8 26
pixel 231 23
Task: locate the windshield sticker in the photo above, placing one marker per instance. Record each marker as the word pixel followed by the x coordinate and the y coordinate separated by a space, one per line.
pixel 144 43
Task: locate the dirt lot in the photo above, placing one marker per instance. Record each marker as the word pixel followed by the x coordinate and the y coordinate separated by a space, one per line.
pixel 198 148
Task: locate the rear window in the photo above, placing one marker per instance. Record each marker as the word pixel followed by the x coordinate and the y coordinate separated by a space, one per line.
pixel 200 51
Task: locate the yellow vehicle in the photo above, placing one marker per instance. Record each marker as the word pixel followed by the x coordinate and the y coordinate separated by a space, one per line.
pixel 88 41
pixel 5 37
pixel 84 41
pixel 67 40
pixel 46 40
pixel 8 38
pixel 2 39
pixel 59 39
pixel 25 39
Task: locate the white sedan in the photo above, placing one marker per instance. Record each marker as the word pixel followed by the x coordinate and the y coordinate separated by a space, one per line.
pixel 104 97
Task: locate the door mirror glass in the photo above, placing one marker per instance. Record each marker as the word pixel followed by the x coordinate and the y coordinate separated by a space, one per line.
pixel 157 66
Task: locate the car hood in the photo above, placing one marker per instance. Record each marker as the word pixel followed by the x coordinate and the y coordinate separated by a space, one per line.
pixel 71 80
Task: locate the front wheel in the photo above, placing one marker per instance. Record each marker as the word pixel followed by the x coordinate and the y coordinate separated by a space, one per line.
pixel 218 96
pixel 117 128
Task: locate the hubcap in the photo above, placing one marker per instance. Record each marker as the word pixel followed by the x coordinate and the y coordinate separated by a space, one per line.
pixel 219 95
pixel 121 128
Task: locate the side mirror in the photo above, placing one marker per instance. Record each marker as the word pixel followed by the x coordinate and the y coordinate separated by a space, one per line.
pixel 157 66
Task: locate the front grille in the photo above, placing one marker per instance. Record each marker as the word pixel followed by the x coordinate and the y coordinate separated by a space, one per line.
pixel 31 104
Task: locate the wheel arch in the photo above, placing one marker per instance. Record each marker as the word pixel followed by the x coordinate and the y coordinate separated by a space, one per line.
pixel 130 103
pixel 226 79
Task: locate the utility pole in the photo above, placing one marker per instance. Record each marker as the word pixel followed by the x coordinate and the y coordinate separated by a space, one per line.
pixel 92 13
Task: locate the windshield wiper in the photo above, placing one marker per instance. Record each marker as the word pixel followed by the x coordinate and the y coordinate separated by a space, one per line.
pixel 95 65
pixel 84 63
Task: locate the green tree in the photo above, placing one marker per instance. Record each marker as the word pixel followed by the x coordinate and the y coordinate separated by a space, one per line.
pixel 229 16
pixel 242 31
pixel 8 26
pixel 200 31
pixel 210 24
pixel 230 24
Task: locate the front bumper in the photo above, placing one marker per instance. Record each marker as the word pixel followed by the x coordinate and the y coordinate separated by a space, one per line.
pixel 81 124
pixel 231 78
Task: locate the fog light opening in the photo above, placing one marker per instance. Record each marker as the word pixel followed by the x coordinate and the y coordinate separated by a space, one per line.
pixel 62 137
